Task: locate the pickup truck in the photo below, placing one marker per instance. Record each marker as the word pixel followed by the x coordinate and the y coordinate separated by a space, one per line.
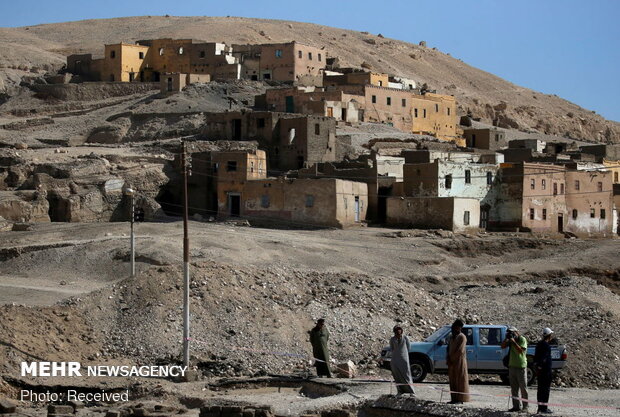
pixel 484 353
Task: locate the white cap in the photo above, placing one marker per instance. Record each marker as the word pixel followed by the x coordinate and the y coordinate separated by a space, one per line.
pixel 512 329
pixel 547 331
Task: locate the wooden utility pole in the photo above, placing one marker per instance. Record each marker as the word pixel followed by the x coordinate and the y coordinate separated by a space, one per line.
pixel 186 167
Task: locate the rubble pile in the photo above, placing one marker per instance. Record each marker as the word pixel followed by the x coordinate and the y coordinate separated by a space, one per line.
pixel 245 319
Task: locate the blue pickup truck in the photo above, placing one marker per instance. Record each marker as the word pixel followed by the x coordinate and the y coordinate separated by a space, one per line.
pixel 484 353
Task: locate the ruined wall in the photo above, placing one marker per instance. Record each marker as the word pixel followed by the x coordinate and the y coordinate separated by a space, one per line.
pixel 24 206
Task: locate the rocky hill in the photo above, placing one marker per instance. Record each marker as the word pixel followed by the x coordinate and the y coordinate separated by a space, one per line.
pixel 43 48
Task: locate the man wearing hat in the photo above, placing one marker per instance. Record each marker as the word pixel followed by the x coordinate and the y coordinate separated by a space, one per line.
pixel 517 367
pixel 542 362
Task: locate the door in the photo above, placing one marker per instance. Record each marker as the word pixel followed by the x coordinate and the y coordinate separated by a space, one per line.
pixel 132 76
pixel 357 209
pixel 236 129
pixel 484 217
pixel 560 223
pixel 169 83
pixel 234 204
pixel 330 112
pixel 344 115
pixel 490 352
pixel 290 104
pixel 441 352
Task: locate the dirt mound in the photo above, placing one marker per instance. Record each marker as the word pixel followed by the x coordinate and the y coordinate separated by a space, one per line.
pixel 474 247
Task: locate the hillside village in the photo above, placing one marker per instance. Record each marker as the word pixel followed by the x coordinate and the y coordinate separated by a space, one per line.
pixel 462 176
pixel 340 175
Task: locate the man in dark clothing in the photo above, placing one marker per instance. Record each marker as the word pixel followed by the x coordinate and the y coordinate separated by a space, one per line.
pixel 542 362
pixel 319 336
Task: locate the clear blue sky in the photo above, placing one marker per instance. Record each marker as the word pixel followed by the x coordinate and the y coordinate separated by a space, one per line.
pixel 566 47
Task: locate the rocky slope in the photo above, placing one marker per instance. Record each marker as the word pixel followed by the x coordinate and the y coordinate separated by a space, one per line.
pixel 43 47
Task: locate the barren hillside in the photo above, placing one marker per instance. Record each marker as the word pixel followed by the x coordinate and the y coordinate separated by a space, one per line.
pixel 43 47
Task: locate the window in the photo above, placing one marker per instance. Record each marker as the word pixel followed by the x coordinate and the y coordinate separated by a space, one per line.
pixel 389 101
pixel 300 54
pixel 317 129
pixel 141 55
pixel 555 188
pixel 599 187
pixel 448 181
pixel 466 218
pixel 380 83
pixel 320 57
pixel 602 213
pixel 424 113
pixel 436 108
pixel 203 54
pixel 533 184
pixel 415 112
pixel 592 213
pixel 543 184
pixel 309 201
pixel 467 176
pixel 469 333
pixel 497 136
pixel 615 177
pixel 448 111
pixel 251 166
pixel 575 214
pixel 161 51
pixel 260 123
pixel 310 56
pixel 532 214
pixel 562 188
pixel 490 337
pixel 404 102
pixel 473 140
pixel 231 166
pixel 576 184
pixel 180 50
pixel 374 99
pixel 489 178
pixel 112 54
pixel 278 53
pixel 264 201
pixel 544 214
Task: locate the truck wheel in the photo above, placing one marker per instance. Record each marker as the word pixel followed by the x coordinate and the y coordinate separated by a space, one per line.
pixel 418 370
pixel 530 375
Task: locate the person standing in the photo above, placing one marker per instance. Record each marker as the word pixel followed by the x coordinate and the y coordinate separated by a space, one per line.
pixel 399 364
pixel 319 337
pixel 542 362
pixel 456 359
pixel 517 367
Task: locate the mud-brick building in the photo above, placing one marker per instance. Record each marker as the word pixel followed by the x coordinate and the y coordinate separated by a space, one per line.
pixel 448 213
pixel 289 62
pixel 292 141
pixel 147 60
pixel 487 138
pixel 308 100
pixel 243 190
pixel 429 113
pixel 547 198
pixel 382 173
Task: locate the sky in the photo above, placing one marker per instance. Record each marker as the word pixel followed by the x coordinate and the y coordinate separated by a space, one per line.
pixel 564 47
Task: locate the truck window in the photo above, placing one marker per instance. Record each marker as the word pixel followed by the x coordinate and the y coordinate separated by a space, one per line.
pixel 490 336
pixel 469 332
